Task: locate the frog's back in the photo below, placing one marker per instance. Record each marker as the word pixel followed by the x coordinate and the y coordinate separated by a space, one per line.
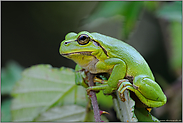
pixel 136 64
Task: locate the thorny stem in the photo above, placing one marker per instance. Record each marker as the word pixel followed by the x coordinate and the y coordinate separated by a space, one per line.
pixel 93 98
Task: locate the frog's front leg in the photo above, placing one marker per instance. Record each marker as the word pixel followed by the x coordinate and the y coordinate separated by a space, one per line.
pixel 147 90
pixel 80 76
pixel 118 72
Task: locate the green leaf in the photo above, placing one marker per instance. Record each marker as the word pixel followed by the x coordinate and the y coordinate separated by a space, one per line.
pixel 5 111
pixel 144 116
pixel 102 99
pixel 131 14
pixel 108 9
pixel 68 113
pixel 90 117
pixel 176 45
pixel 125 110
pixel 9 75
pixel 151 5
pixel 171 11
pixel 129 10
pixel 42 88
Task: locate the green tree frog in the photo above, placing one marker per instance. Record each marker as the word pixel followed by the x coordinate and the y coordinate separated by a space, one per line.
pixel 128 70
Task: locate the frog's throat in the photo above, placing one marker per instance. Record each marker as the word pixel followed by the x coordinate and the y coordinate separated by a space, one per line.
pixel 88 53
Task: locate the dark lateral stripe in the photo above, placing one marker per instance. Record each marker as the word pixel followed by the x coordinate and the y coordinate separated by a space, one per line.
pixel 105 51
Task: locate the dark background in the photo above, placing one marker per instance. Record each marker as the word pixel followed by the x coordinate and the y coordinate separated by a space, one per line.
pixel 32 32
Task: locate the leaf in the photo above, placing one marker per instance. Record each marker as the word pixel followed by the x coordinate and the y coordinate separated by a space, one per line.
pixel 176 45
pixel 69 113
pixel 5 111
pixel 129 10
pixel 102 99
pixel 131 14
pixel 151 5
pixel 108 9
pixel 43 87
pixel 9 75
pixel 125 110
pixel 171 11
pixel 90 117
pixel 144 116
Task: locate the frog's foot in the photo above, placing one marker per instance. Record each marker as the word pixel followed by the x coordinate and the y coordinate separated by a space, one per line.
pixel 101 81
pixel 96 88
pixel 81 78
pixel 122 82
pixel 122 86
pixel 82 82
pixel 105 87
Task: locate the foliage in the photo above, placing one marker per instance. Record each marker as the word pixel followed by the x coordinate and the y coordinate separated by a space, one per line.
pixel 42 89
pixel 143 115
pixel 125 110
pixel 171 12
pixel 5 111
pixel 9 75
pixel 48 94
pixel 131 12
pixel 43 93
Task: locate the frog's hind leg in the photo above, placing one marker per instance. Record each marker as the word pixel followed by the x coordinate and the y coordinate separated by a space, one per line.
pixel 147 90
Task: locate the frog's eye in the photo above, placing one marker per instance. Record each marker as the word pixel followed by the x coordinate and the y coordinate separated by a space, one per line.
pixel 83 39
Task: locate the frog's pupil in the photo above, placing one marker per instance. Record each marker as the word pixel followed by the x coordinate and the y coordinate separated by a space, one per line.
pixel 82 38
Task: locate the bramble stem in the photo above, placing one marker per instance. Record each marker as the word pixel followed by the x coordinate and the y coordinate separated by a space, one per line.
pixel 93 98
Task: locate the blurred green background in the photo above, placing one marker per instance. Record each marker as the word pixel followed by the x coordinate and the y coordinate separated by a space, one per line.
pixel 32 32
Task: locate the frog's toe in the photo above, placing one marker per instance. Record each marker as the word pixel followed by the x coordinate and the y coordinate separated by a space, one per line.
pixel 122 81
pixel 88 90
pixel 124 88
pixel 121 92
pixel 123 84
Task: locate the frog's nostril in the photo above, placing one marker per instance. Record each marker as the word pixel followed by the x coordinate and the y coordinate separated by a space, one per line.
pixel 66 42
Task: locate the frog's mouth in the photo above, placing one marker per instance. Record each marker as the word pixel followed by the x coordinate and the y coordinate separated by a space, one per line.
pixel 88 53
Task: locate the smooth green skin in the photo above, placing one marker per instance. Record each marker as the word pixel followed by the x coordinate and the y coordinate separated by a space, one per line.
pixel 121 60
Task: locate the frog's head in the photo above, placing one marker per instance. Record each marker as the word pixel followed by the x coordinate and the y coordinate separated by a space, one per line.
pixel 81 47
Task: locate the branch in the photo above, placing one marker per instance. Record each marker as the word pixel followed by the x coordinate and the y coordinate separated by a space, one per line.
pixel 93 98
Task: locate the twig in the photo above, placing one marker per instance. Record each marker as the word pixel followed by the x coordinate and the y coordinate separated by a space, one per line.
pixel 93 98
